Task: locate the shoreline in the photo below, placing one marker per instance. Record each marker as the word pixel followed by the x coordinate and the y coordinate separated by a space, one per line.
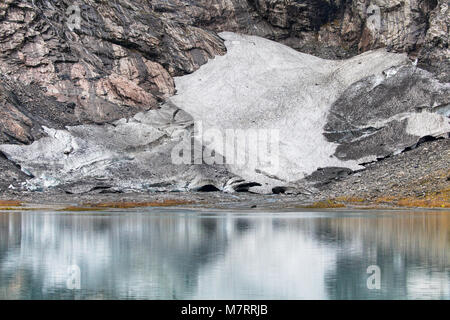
pixel 192 201
pixel 418 178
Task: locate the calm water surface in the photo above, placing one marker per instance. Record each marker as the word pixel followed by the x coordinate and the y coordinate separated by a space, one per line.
pixel 184 254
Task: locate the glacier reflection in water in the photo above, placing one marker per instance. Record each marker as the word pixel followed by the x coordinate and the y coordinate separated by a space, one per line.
pixel 182 254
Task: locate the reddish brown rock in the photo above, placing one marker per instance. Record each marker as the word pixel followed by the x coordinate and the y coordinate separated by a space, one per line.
pixel 117 61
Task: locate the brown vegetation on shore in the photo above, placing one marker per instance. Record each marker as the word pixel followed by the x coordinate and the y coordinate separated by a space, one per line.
pixel 10 203
pixel 126 205
pixel 440 199
pixel 327 204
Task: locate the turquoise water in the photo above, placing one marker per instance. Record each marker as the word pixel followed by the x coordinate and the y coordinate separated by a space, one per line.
pixel 186 254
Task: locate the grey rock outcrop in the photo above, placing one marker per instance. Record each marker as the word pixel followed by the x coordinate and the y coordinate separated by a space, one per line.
pixel 330 28
pixel 383 114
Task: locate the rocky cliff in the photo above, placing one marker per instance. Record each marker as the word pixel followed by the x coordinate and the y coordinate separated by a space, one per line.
pixel 71 63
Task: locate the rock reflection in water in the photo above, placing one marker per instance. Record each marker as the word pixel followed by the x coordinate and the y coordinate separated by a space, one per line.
pixel 167 254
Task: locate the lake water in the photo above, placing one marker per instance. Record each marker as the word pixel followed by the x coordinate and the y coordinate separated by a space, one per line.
pixel 159 253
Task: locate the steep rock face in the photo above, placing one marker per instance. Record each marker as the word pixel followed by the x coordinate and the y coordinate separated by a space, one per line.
pixel 329 28
pixel 342 28
pixel 103 60
pixel 24 109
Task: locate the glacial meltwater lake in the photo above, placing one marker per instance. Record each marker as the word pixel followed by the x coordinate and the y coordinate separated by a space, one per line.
pixel 163 253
